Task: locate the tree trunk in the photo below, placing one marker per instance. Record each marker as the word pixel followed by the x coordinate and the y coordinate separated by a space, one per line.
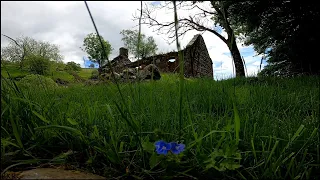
pixel 237 59
pixel 22 58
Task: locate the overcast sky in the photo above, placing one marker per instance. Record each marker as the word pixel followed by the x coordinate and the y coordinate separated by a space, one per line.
pixel 66 23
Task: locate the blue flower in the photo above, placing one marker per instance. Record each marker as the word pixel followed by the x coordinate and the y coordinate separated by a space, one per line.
pixel 177 148
pixel 162 147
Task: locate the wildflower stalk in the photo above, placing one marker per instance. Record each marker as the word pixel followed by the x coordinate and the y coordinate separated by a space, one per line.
pixel 139 92
pixel 138 47
pixel 104 52
pixel 134 125
pixel 181 64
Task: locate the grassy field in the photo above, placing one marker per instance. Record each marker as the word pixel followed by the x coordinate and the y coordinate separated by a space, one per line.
pixel 86 72
pixel 238 128
pixel 17 73
pixel 13 70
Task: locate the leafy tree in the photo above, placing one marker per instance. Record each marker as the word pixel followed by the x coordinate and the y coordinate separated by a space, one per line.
pixel 283 30
pixel 93 48
pixel 91 65
pixel 19 49
pixel 208 19
pixel 147 46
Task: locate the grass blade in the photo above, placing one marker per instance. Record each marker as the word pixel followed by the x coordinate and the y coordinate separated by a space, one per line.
pixel 236 123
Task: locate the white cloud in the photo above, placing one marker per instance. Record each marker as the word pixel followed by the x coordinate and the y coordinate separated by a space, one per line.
pixel 66 23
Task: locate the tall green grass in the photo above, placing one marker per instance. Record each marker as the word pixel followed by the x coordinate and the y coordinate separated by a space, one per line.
pixel 239 128
pixel 82 126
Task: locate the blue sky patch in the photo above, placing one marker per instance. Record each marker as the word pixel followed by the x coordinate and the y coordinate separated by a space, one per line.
pixel 155 3
pixel 87 63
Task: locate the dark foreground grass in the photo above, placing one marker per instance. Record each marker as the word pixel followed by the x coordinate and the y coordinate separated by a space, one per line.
pixel 259 128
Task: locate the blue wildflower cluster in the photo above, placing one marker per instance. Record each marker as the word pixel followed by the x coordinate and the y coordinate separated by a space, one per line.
pixel 162 147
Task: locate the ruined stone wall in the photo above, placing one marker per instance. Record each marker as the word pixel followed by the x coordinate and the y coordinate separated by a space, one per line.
pixel 161 61
pixel 123 51
pixel 197 62
pixel 119 63
pixel 197 59
pixel 205 68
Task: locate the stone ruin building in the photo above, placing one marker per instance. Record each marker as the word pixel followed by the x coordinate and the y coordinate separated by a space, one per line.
pixel 197 62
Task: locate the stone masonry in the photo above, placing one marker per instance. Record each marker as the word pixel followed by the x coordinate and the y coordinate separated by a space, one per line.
pixel 197 62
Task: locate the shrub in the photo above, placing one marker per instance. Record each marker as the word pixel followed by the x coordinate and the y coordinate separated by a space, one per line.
pixel 72 66
pixel 37 81
pixel 38 65
pixel 19 77
pixel 57 66
pixel 94 74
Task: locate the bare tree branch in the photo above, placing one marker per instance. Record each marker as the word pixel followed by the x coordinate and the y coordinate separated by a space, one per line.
pixel 12 40
pixel 194 22
pixel 212 13
pixel 198 21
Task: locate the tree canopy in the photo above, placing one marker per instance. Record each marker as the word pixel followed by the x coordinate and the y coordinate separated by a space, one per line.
pixel 93 47
pixel 285 31
pixel 147 46
pixel 21 49
pixel 204 19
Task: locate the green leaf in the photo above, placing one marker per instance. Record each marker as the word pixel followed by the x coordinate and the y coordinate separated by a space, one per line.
pixel 62 157
pixel 15 131
pixel 148 146
pixel 154 160
pixel 96 131
pixel 112 157
pixel 67 129
pixel 230 165
pixel 72 121
pixel 236 122
pixel 89 161
pixel 5 142
pixel 40 117
pixel 22 162
pixel 199 139
pixel 121 146
pixel 297 133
